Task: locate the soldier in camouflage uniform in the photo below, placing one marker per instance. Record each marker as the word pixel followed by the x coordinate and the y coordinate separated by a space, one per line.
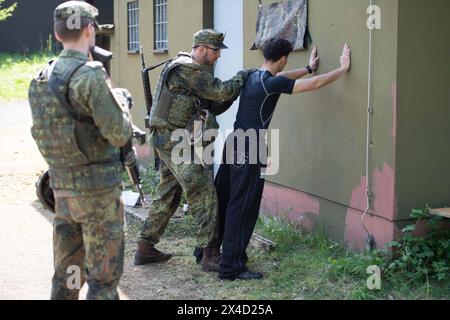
pixel 82 149
pixel 186 85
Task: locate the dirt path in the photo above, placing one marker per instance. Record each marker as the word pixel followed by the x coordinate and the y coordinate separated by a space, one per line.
pixel 25 231
pixel 26 265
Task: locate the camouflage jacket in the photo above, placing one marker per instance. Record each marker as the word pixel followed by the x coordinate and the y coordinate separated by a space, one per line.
pixel 184 87
pixel 82 156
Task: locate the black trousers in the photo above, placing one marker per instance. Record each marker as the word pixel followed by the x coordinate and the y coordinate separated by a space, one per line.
pixel 239 189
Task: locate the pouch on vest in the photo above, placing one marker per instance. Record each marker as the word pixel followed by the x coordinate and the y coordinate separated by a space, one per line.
pixel 164 98
pixel 164 104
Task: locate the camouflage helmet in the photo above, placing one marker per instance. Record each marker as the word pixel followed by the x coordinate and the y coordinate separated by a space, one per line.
pixel 209 37
pixel 73 8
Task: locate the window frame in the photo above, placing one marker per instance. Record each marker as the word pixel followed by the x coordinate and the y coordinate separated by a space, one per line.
pixel 160 26
pixel 133 42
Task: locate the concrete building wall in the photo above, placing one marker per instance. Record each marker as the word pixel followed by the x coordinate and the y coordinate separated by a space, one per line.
pixel 184 19
pixel 322 175
pixel 423 105
pixel 231 59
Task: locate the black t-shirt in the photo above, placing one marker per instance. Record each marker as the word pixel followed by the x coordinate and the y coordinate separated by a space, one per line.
pixel 258 99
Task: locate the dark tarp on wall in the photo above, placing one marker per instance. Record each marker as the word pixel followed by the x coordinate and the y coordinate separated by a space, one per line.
pixel 286 19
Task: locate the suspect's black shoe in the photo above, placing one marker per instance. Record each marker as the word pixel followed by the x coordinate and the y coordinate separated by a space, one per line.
pixel 250 275
pixel 245 275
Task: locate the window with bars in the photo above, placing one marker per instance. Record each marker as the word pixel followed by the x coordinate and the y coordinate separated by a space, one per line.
pixel 133 26
pixel 160 19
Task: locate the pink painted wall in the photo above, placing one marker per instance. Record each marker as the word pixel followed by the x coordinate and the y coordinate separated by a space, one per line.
pixel 306 211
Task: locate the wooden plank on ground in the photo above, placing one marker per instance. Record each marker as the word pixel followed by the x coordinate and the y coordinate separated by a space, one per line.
pixel 263 243
pixel 444 212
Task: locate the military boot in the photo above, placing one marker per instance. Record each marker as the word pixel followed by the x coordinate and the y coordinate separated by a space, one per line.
pixel 211 259
pixel 147 253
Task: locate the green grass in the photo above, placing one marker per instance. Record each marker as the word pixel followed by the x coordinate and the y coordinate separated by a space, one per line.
pixel 314 267
pixel 303 266
pixel 16 72
pixel 311 266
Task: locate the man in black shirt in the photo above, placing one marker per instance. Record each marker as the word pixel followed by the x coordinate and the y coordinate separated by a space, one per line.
pixel 238 182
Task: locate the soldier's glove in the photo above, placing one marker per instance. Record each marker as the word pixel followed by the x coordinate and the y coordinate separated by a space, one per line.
pixel 124 96
pixel 245 73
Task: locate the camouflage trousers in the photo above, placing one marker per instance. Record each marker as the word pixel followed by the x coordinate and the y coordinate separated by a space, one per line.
pixel 197 183
pixel 88 237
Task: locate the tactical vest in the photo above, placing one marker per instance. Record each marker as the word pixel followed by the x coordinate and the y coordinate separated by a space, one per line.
pixel 163 113
pixel 57 134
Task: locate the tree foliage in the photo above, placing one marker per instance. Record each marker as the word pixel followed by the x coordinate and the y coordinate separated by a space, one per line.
pixel 6 12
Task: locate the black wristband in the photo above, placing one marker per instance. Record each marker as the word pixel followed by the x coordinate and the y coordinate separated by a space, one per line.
pixel 309 69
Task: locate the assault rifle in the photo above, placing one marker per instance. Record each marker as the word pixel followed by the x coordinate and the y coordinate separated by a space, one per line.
pixel 148 93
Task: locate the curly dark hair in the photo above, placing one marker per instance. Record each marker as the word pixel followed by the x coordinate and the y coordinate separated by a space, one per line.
pixel 276 48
